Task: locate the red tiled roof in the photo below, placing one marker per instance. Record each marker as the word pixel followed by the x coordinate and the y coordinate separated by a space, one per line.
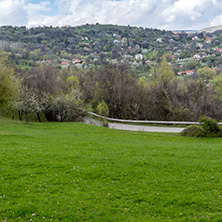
pixel 64 63
pixel 188 71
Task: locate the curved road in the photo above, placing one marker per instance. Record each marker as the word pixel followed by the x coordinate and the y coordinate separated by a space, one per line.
pixel 161 129
pixel 119 126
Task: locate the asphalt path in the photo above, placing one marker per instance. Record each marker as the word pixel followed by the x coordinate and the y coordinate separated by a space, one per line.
pixel 161 129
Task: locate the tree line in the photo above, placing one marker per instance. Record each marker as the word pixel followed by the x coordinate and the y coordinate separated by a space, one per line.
pixel 67 94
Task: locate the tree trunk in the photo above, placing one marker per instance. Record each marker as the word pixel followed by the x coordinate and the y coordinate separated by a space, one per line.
pixel 13 115
pixel 20 115
pixel 39 119
pixel 26 117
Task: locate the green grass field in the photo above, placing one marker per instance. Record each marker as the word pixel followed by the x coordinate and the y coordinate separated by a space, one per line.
pixel 77 172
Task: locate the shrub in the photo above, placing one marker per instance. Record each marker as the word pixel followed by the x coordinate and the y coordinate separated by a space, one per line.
pixel 208 128
pixel 196 131
pixel 102 109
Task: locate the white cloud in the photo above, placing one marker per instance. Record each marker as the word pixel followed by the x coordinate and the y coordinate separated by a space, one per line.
pixel 167 14
pixel 36 13
pixel 216 21
pixel 12 12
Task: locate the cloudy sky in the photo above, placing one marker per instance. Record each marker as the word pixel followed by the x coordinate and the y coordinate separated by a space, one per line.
pixel 163 14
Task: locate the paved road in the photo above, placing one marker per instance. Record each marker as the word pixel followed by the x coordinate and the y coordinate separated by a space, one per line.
pixel 145 128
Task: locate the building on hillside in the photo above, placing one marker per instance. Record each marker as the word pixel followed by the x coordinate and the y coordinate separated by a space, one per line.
pixel 148 62
pixel 84 38
pixel 208 39
pixel 136 46
pixel 78 61
pixel 64 64
pixel 196 56
pixel 203 54
pixel 75 60
pixel 186 73
pixel 124 40
pixel 219 50
pixel 116 42
pixel 86 48
pixel 195 38
pixel 200 45
pixel 139 56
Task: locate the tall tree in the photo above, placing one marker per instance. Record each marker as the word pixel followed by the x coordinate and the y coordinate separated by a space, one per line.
pixel 8 81
pixel 206 74
pixel 159 89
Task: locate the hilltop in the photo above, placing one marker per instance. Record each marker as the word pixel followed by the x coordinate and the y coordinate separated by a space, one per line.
pixel 211 29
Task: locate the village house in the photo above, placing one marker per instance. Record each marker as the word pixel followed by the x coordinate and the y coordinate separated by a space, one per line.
pixel 77 61
pixel 136 46
pixel 124 40
pixel 139 56
pixel 203 54
pixel 116 42
pixel 208 39
pixel 186 73
pixel 64 64
pixel 219 50
pixel 159 40
pixel 196 56
pixel 200 45
pixel 48 62
pixel 148 62
pixel 86 49
pixel 195 38
pixel 84 38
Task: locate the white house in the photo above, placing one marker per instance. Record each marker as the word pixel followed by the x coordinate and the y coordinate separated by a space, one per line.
pixel 159 40
pixel 139 56
pixel 196 56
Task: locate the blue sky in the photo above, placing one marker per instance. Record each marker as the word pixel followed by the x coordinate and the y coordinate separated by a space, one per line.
pixel 163 14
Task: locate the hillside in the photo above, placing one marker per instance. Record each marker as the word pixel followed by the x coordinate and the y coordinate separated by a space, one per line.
pixel 93 45
pixel 211 29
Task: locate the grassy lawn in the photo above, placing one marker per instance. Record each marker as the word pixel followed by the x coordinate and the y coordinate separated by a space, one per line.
pixel 77 172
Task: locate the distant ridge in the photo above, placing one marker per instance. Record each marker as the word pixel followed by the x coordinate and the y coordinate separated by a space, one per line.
pixel 181 30
pixel 211 29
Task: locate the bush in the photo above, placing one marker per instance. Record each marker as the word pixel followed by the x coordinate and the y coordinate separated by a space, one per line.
pixel 102 109
pixel 64 107
pixel 196 131
pixel 208 128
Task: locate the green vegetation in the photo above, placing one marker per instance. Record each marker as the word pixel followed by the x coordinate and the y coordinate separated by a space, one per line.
pixel 96 44
pixel 208 128
pixel 196 131
pixel 76 172
pixel 8 84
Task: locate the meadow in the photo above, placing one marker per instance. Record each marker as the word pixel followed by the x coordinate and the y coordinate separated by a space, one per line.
pixel 77 172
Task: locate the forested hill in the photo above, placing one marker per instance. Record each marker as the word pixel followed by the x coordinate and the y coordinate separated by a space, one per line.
pixel 92 45
pixel 72 39
pixel 118 70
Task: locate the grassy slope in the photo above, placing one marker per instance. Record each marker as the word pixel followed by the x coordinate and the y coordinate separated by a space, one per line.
pixel 76 172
